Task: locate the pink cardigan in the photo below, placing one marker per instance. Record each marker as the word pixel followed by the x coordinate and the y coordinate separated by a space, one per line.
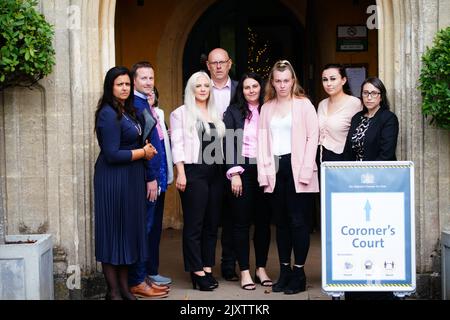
pixel 185 144
pixel 305 137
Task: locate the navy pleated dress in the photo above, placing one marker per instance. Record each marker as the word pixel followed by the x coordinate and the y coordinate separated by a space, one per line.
pixel 120 192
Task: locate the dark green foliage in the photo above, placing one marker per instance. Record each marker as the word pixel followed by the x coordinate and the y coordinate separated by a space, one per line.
pixel 435 80
pixel 26 49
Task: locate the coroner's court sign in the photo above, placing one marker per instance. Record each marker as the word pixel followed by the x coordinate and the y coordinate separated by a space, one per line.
pixel 368 237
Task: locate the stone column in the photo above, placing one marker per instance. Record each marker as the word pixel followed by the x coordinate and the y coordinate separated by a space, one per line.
pixel 407 27
pixel 47 137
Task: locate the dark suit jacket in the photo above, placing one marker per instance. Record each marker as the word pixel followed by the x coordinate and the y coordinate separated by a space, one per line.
pixel 150 133
pixel 380 140
pixel 234 85
pixel 232 142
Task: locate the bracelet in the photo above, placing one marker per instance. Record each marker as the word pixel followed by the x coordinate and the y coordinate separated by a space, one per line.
pixel 145 153
pixel 234 174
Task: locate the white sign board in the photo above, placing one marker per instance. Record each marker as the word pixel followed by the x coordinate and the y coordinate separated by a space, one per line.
pixel 368 239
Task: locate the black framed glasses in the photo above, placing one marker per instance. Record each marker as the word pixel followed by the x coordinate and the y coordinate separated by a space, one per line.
pixel 218 63
pixel 372 94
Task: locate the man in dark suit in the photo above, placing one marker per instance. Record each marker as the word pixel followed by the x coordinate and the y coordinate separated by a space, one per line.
pixel 219 64
pixel 140 274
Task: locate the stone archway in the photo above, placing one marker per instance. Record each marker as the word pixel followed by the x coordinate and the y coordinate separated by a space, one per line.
pixel 66 101
pixel 407 27
pixel 170 59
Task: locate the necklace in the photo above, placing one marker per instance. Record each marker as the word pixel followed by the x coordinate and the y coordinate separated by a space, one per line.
pixel 138 126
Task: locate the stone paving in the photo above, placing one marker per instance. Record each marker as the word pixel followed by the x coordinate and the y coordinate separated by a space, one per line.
pixel 171 264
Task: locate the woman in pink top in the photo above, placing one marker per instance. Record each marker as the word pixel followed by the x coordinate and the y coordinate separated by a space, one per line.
pixel 287 145
pixel 335 112
pixel 247 200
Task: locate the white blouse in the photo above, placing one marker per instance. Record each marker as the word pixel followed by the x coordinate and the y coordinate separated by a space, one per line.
pixel 280 128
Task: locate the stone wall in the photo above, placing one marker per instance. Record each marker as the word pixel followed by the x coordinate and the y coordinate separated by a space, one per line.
pixel 407 28
pixel 48 146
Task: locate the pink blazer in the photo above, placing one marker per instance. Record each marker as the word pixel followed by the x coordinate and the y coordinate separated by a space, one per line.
pixel 305 138
pixel 185 144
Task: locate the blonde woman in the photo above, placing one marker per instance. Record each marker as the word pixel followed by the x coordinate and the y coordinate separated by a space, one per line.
pixel 197 132
pixel 287 145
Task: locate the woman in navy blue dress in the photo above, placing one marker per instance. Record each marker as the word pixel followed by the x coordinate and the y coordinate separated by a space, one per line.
pixel 119 184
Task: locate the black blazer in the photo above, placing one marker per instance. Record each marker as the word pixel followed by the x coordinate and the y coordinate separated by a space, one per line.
pixel 233 120
pixel 234 85
pixel 380 140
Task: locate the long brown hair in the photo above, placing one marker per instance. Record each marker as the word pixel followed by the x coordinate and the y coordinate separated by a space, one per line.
pixel 108 97
pixel 296 91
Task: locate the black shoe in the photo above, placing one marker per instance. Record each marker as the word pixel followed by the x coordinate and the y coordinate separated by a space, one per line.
pixel 264 283
pixel 283 280
pixel 297 282
pixel 230 275
pixel 228 272
pixel 202 282
pixel 211 279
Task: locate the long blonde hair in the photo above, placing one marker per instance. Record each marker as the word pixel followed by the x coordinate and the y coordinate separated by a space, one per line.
pixel 194 119
pixel 297 91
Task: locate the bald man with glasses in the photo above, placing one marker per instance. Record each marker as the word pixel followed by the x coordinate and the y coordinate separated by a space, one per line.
pixel 219 64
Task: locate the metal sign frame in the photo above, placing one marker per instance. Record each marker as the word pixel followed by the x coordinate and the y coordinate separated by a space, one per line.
pixel 368 227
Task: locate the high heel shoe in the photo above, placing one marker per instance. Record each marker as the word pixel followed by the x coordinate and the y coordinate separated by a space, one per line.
pixel 202 281
pixel 264 283
pixel 211 279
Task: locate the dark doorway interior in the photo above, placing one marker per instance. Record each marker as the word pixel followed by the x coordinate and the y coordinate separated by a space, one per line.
pixel 256 33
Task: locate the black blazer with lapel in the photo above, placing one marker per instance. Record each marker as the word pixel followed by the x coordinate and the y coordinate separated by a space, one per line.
pixel 380 140
pixel 234 85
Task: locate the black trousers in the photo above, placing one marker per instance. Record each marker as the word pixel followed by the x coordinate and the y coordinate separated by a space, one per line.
pixel 228 253
pixel 292 213
pixel 251 207
pixel 201 215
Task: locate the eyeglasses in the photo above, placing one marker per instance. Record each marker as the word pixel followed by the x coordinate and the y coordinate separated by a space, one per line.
pixel 218 63
pixel 372 94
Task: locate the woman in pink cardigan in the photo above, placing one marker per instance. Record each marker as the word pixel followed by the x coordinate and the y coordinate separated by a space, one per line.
pixel 287 145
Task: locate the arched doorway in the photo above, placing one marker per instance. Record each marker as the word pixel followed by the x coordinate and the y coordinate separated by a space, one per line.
pixel 255 33
pixel 302 31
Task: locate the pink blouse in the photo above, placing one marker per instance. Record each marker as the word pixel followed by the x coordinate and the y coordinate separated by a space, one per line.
pixel 249 141
pixel 333 128
pixel 250 138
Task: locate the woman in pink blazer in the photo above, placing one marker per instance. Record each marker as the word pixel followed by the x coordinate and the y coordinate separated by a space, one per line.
pixel 197 131
pixel 287 145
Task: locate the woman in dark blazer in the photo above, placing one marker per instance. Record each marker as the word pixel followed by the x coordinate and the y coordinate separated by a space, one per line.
pixel 373 131
pixel 247 199
pixel 372 137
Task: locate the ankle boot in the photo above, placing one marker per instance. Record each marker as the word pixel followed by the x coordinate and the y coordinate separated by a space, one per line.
pixel 297 283
pixel 202 282
pixel 283 280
